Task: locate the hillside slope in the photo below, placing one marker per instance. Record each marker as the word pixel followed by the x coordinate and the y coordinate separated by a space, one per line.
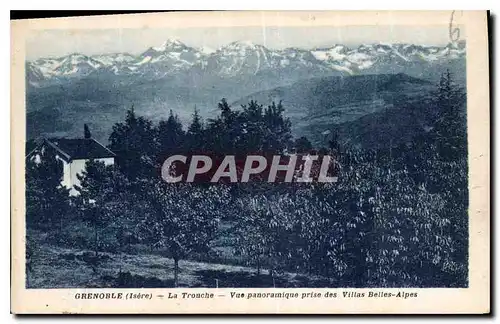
pixel 366 110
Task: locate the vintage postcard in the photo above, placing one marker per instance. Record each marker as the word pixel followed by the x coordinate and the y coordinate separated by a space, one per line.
pixel 251 162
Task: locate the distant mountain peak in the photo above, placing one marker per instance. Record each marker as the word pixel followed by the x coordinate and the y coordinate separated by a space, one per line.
pixel 206 50
pixel 75 54
pixel 245 42
pixel 242 43
pixel 242 57
pixel 168 44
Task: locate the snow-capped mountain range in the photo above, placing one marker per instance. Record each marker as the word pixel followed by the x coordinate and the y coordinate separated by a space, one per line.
pixel 238 58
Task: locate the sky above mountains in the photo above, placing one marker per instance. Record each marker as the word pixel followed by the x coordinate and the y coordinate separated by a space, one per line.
pixel 56 43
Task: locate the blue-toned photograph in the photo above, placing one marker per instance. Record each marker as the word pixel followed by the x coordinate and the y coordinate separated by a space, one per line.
pixel 247 157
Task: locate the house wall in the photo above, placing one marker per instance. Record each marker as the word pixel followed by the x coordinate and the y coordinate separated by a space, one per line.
pixel 75 168
pixel 66 173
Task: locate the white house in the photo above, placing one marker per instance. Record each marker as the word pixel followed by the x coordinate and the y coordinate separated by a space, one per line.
pixel 73 153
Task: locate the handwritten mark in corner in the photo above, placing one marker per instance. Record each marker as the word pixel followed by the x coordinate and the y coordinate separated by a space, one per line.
pixel 454 28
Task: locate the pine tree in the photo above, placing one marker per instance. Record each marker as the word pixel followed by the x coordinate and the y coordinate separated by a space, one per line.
pixel 227 114
pixel 334 143
pixel 134 143
pixel 195 133
pixel 171 136
pixel 451 127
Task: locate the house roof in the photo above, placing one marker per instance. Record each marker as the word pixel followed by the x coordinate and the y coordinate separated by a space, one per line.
pixel 79 148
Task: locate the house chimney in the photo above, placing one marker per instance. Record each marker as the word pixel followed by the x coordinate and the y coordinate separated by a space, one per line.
pixel 86 131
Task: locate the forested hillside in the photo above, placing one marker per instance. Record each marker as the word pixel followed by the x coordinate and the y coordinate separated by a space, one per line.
pixel 397 217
